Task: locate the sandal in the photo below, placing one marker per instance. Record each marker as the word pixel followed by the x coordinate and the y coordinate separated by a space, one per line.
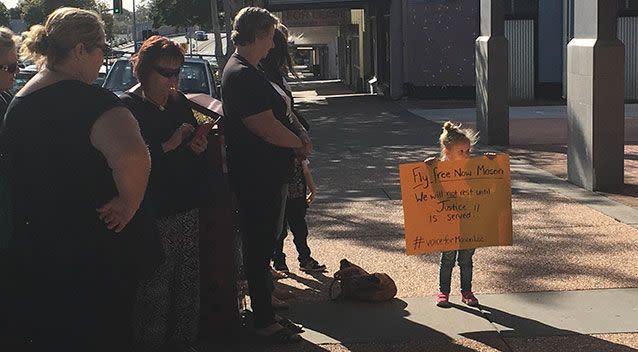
pixel 289 324
pixel 278 275
pixel 278 304
pixel 281 336
pixel 282 292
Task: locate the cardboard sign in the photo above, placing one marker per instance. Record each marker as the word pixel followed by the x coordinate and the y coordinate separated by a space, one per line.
pixel 457 204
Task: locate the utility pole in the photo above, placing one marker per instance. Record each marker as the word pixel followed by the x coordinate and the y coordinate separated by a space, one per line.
pixel 134 30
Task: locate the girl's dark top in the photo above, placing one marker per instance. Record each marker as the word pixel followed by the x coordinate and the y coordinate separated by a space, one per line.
pixel 253 161
pixel 65 256
pixel 276 76
pixel 177 178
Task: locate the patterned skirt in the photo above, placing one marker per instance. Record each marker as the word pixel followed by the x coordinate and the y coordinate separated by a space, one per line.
pixel 167 307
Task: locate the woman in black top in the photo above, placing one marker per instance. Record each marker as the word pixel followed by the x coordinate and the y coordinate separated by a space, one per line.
pixel 8 70
pixel 260 155
pixel 77 168
pixel 167 312
pixel 8 67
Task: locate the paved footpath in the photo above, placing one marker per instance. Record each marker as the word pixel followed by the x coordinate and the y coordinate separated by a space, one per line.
pixel 569 282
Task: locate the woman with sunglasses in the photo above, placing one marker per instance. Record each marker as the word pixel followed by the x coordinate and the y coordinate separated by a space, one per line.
pixel 167 312
pixel 8 67
pixel 8 70
pixel 77 168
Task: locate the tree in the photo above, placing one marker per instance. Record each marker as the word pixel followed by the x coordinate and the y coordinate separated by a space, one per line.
pixel 143 13
pixel 179 13
pixel 123 22
pixel 35 11
pixel 14 13
pixel 107 18
pixel 4 15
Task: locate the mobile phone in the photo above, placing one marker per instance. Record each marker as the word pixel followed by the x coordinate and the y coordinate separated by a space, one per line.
pixel 203 130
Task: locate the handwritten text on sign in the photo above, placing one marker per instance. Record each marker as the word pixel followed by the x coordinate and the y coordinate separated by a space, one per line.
pixel 457 204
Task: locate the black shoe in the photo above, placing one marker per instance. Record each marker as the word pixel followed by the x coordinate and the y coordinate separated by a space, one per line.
pixel 312 265
pixel 281 267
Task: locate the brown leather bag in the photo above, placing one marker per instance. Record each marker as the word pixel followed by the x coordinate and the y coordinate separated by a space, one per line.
pixel 356 283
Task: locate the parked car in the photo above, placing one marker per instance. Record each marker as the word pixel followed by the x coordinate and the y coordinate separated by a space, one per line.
pixel 101 76
pixel 196 77
pixel 23 76
pixel 29 71
pixel 201 35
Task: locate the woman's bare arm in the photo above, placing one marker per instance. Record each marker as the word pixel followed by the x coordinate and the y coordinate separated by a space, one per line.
pixel 116 135
pixel 268 128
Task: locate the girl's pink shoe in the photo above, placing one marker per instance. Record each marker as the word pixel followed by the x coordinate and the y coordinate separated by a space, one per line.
pixel 469 299
pixel 443 300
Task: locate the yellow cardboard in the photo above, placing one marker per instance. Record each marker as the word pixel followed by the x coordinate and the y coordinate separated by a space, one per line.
pixel 457 204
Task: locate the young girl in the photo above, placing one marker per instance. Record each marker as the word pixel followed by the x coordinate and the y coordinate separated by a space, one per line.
pixel 298 201
pixel 456 144
pixel 276 67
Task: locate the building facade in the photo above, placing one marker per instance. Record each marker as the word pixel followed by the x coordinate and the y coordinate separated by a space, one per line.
pixel 425 48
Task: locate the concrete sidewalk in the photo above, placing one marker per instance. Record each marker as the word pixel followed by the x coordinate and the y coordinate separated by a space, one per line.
pixel 569 282
pixel 500 317
pixel 525 121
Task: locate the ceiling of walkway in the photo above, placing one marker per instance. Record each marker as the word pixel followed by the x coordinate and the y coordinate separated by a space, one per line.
pixel 279 5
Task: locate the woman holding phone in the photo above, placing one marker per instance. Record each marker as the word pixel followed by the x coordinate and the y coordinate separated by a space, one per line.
pixel 167 310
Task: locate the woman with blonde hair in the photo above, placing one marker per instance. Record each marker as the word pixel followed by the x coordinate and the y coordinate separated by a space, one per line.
pixel 78 169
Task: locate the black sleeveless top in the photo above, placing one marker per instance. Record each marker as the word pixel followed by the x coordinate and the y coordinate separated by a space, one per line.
pixel 177 182
pixel 58 180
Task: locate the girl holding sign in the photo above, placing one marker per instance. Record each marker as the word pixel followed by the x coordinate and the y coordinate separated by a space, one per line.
pixel 456 144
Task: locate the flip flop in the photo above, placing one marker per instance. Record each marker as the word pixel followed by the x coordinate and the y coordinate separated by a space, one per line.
pixel 277 275
pixel 278 304
pixel 289 324
pixel 279 337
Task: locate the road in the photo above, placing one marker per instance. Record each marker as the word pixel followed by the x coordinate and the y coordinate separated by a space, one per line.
pixel 203 47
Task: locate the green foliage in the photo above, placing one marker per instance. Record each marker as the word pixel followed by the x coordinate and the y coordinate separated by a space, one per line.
pixel 35 11
pixel 4 15
pixel 180 13
pixel 14 13
pixel 107 18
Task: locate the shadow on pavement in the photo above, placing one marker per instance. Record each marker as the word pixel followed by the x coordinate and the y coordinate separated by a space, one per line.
pixel 357 325
pixel 514 327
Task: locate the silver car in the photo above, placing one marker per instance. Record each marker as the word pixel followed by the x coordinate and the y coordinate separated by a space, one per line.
pixel 196 77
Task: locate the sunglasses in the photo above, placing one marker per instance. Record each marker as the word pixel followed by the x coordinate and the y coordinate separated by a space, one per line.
pixel 167 72
pixel 10 68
